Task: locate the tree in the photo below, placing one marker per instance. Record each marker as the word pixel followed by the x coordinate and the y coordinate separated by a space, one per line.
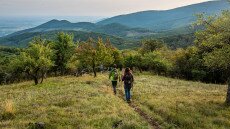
pixel 3 66
pixel 138 61
pixel 187 64
pixel 92 54
pixel 151 45
pixel 35 60
pixel 116 54
pixel 64 49
pixel 156 63
pixel 103 53
pixel 129 60
pixel 214 43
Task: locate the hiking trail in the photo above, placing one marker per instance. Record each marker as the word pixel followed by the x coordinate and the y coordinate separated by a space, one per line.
pixel 151 121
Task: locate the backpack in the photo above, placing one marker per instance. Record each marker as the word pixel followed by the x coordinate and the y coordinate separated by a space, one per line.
pixel 115 76
pixel 128 79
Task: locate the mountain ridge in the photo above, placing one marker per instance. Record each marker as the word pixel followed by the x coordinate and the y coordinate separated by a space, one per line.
pixel 158 20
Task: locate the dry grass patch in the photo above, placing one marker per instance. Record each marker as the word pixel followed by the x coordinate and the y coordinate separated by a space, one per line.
pixel 8 110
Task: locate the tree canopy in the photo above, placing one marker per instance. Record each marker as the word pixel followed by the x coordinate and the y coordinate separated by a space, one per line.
pixel 35 60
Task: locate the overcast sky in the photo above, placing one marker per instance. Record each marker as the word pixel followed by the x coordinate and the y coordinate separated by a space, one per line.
pixel 85 7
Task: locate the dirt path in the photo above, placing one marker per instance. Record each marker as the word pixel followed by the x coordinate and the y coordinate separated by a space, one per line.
pixel 148 118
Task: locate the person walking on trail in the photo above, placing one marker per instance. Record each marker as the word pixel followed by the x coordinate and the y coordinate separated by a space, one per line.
pixel 114 77
pixel 128 83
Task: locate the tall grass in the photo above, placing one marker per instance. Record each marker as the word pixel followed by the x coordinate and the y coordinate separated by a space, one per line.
pixel 67 102
pixel 87 102
pixel 182 104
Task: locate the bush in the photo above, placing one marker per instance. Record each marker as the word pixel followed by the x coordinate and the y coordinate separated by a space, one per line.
pixel 156 63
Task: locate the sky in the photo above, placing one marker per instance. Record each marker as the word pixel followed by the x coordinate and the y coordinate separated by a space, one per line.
pixel 85 7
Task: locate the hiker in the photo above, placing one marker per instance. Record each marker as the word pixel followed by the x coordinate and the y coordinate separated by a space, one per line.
pixel 114 77
pixel 128 83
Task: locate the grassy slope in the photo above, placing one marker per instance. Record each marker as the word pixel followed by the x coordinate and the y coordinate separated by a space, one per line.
pixel 67 102
pixel 182 104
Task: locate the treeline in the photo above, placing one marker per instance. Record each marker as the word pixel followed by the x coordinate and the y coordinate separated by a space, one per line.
pixel 58 57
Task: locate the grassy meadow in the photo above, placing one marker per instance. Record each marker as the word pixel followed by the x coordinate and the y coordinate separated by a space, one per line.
pixel 67 103
pixel 182 104
pixel 87 103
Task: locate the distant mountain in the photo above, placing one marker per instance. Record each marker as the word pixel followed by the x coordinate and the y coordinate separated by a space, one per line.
pixel 118 34
pixel 169 19
pixel 122 31
pixel 23 39
pixel 114 29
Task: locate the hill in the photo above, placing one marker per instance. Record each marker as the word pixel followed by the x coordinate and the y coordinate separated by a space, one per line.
pixel 21 39
pixel 168 20
pixel 114 29
pixel 86 102
pixel 174 41
pixel 121 36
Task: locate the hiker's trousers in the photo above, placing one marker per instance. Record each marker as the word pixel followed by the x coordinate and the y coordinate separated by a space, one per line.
pixel 114 84
pixel 127 92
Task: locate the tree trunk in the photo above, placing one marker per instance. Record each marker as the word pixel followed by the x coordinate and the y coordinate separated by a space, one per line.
pixel 43 75
pixel 94 71
pixel 62 71
pixel 35 80
pixel 42 80
pixel 140 70
pixel 228 93
pixel 36 76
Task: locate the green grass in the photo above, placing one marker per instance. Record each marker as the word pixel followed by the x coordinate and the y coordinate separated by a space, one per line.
pixel 87 103
pixel 182 104
pixel 65 102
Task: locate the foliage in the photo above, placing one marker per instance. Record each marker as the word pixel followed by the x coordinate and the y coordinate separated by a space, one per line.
pixel 156 63
pixel 187 64
pixel 179 41
pixel 218 58
pixel 213 43
pixel 92 54
pixel 128 58
pixel 64 50
pixel 151 45
pixel 35 60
